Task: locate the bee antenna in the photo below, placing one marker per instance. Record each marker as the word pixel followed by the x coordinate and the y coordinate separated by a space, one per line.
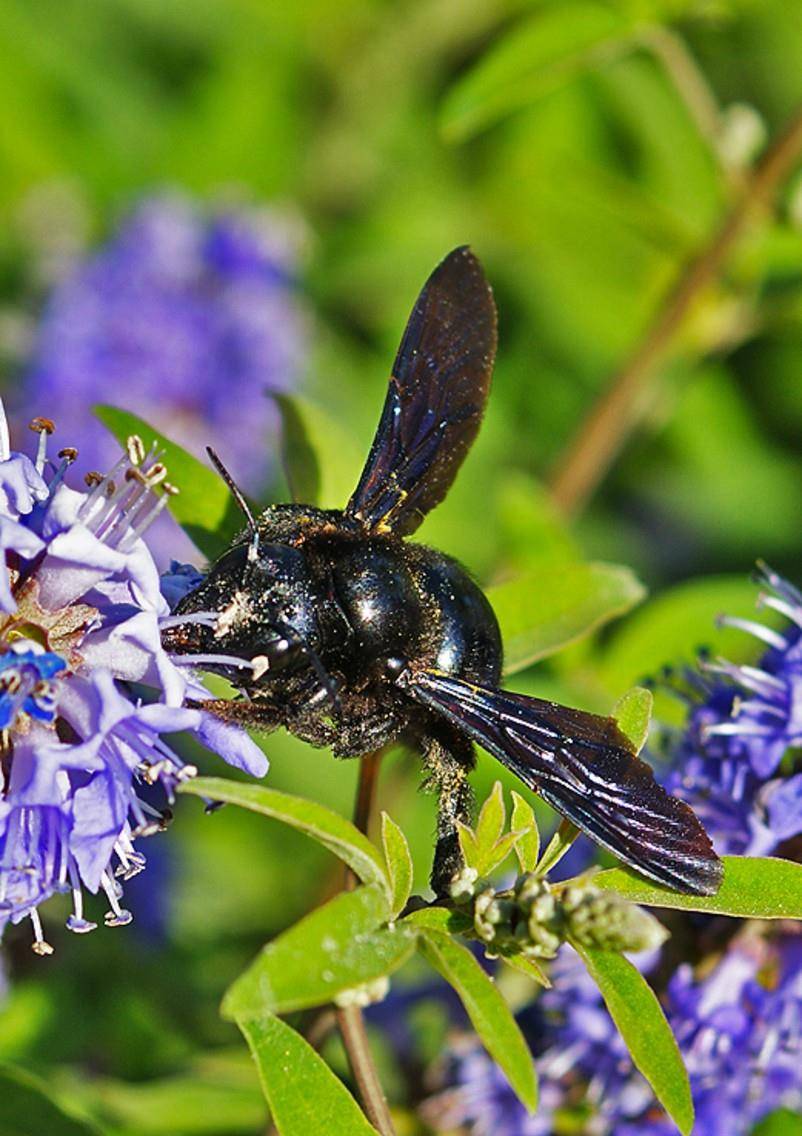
pixel 235 490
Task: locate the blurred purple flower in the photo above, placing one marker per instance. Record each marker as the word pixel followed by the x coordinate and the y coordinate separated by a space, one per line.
pixel 741 722
pixel 81 613
pixel 184 317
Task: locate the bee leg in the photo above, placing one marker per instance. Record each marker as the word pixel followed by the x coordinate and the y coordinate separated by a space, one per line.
pixel 449 758
pixel 257 715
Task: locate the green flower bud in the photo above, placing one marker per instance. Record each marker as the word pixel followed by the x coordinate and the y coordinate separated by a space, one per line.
pixel 596 918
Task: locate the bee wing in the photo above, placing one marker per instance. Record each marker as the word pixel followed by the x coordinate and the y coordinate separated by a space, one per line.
pixel 435 400
pixel 586 769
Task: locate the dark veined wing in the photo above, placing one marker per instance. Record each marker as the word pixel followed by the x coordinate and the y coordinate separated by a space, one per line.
pixel 584 767
pixel 435 399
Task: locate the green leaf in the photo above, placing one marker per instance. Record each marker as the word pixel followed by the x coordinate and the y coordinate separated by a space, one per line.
pixel 492 816
pixel 489 1013
pixel 754 887
pixel 538 55
pixel 442 919
pixel 322 824
pixel 217 1093
pixel 303 1094
pixel 203 506
pixel 527 846
pixel 780 1123
pixel 337 458
pixel 544 611
pixel 528 967
pixel 399 863
pixel 642 1024
pixel 297 452
pixel 556 848
pixel 468 845
pixel 337 947
pixel 29 1109
pixel 633 713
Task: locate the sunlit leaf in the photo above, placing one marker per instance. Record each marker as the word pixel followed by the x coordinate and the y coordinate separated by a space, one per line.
pixel 528 967
pixel 490 1015
pixel 544 611
pixel 337 947
pixel 754 887
pixel 322 824
pixel 633 713
pixel 527 846
pixel 303 1094
pixel 399 863
pixel 642 1024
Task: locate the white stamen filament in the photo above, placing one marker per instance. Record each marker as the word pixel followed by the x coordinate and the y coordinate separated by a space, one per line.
pixel 773 638
pixel 790 611
pixel 5 438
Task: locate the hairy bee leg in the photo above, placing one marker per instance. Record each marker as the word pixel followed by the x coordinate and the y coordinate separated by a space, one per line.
pixel 257 715
pixel 449 758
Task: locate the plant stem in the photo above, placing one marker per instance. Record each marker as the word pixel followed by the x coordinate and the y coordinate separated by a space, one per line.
pixel 624 402
pixel 349 1018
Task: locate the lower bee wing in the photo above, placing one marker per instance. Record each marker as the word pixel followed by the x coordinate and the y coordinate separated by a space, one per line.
pixel 435 400
pixel 584 767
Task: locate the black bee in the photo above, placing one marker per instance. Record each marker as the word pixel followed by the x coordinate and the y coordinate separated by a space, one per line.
pixel 353 637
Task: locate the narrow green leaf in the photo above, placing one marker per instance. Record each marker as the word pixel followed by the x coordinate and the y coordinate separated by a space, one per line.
pixel 441 919
pixel 303 1094
pixel 492 816
pixel 469 845
pixel 297 452
pixel 754 887
pixel 633 713
pixel 495 856
pixel 29 1108
pixel 337 947
pixel 399 863
pixel 490 1015
pixel 642 1024
pixel 528 967
pixel 338 458
pixel 322 824
pixel 538 55
pixel 527 846
pixel 203 506
pixel 544 611
pixel 556 848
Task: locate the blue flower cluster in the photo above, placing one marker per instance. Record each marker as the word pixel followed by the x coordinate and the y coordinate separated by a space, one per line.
pixel 187 318
pixel 738 1018
pixel 81 614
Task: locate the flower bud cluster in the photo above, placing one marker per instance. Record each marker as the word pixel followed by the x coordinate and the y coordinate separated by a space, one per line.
pixel 534 917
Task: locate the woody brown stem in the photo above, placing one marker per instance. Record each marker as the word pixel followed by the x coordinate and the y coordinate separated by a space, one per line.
pixel 349 1018
pixel 623 404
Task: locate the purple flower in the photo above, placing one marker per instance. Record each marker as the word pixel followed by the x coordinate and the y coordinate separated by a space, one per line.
pixel 81 613
pixel 742 721
pixel 190 319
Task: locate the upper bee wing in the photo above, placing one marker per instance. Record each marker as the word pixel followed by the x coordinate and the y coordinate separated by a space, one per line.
pixel 584 766
pixel 435 400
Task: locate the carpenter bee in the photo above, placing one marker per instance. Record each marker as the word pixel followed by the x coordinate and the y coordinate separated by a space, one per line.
pixel 352 637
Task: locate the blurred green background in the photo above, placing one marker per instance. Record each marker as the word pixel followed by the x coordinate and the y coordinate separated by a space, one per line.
pixel 587 151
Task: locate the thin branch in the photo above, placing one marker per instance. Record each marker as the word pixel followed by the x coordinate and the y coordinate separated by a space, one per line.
pixel 621 407
pixel 349 1018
